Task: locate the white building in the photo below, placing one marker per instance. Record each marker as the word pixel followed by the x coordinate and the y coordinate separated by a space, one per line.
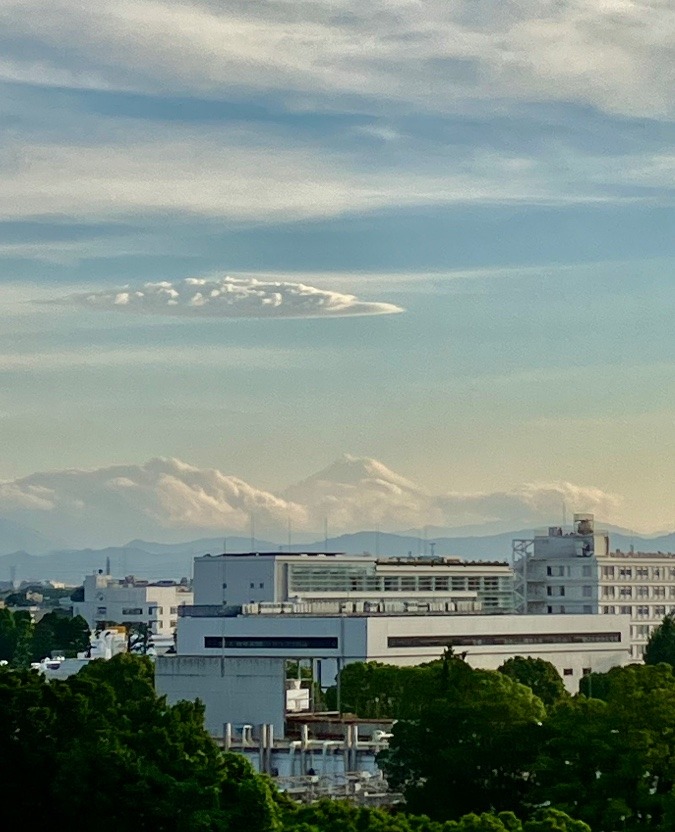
pixel 107 599
pixel 275 577
pixel 255 612
pixel 572 570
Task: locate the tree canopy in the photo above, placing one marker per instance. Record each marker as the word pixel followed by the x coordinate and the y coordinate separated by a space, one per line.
pixel 539 675
pixel 661 644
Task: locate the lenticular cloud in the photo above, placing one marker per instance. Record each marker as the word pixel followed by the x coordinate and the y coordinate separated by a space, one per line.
pixel 230 297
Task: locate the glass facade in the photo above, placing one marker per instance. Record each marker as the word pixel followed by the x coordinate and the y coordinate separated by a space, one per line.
pixel 495 592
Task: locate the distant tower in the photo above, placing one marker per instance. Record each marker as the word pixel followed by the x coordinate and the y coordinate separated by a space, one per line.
pixel 12 576
pixel 107 566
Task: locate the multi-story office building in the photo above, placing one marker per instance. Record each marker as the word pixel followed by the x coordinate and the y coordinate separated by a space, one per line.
pixel 253 612
pixel 407 583
pixel 107 599
pixel 572 570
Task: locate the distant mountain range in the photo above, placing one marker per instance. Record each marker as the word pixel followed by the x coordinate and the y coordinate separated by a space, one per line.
pixel 152 560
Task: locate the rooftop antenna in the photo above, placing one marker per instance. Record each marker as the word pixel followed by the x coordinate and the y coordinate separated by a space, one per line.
pixel 107 565
pixel 432 543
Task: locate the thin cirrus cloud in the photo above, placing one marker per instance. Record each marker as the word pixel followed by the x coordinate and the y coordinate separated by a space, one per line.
pixel 614 55
pixel 228 297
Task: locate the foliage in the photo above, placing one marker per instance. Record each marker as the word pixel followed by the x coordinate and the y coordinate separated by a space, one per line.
pixel 102 744
pixel 22 642
pixel 373 690
pixel 471 746
pixel 539 675
pixel 341 816
pixel 611 762
pixel 661 644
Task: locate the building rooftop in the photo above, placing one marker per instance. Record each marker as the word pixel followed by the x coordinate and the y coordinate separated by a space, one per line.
pixel 411 560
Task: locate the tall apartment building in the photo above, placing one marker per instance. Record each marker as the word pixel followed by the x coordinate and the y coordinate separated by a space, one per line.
pixel 573 570
pixel 132 600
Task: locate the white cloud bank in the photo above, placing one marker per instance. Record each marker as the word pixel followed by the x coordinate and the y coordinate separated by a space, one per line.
pixel 229 297
pixel 126 501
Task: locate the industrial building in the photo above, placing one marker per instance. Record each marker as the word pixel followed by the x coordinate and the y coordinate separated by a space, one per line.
pixel 572 570
pixel 250 616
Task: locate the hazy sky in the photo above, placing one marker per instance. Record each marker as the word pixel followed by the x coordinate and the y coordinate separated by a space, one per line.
pixel 448 230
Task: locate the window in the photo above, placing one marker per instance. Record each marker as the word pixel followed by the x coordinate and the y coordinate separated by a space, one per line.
pixel 272 642
pixel 442 584
pixel 132 611
pixel 391 584
pixel 641 572
pixel 671 573
pixel 586 671
pixel 567 671
pixel 225 585
pixel 549 571
pixel 262 586
pixel 172 623
pixel 625 592
pixel 587 592
pixel 625 572
pixel 659 612
pixel 555 590
pixel 425 584
pixel 608 592
pixel 642 592
pixel 474 584
pixel 625 610
pixel 252 585
pixel 173 610
pixel 549 610
pixel 659 592
pixel 607 571
pixel 503 639
pixel 657 573
pixel 642 612
pixel 407 583
pixel 608 610
pixel 101 610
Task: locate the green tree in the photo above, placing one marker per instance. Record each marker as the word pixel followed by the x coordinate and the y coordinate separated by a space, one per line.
pixel 8 634
pixel 103 744
pixel 661 644
pixel 611 762
pixel 539 675
pixel 470 749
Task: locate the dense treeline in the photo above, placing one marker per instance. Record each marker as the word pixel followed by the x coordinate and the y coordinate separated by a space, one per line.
pixel 23 642
pixel 102 750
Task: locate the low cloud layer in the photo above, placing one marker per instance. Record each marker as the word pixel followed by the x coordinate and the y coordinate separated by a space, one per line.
pixel 230 297
pixel 111 505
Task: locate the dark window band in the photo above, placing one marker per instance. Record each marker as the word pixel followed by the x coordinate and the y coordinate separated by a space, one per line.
pixel 509 639
pixel 273 643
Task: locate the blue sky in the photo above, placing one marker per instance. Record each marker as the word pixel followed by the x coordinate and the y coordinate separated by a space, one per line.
pixel 502 175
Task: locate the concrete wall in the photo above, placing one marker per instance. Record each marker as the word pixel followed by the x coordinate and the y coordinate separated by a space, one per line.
pixel 233 581
pixel 240 691
pixel 571 660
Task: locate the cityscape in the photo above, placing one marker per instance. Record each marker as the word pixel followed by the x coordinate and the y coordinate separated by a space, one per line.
pixel 337 415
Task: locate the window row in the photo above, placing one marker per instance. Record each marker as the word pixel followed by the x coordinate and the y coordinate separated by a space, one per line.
pixel 658 611
pixel 653 573
pixel 657 592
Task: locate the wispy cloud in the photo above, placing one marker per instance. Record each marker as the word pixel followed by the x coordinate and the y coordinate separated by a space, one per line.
pixel 615 55
pixel 229 297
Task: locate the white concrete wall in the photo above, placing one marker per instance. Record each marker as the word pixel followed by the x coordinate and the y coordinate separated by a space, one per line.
pixel 233 581
pixel 240 690
pixel 573 658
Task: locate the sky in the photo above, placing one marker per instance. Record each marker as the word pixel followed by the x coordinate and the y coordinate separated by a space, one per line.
pixel 424 249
